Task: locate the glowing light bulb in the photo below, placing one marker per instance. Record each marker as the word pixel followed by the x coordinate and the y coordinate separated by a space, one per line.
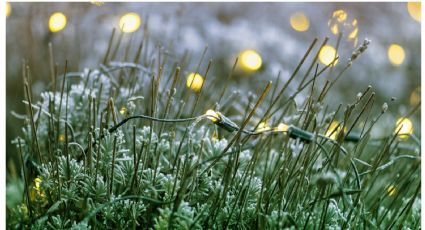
pixel 130 22
pixel 61 137
pixel 57 22
pixel 414 9
pixel 8 9
pixel 123 110
pixel 299 22
pixel 194 81
pixel 263 126
pixel 334 129
pixel 391 190
pixel 250 61
pixel 327 54
pixel 415 97
pixel 405 126
pixel 212 115
pixel 282 127
pixel 396 54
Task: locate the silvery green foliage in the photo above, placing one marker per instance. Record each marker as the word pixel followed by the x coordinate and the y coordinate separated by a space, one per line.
pixel 184 218
pixel 159 180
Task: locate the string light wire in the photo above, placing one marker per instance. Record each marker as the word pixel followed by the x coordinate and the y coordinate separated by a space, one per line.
pixel 215 116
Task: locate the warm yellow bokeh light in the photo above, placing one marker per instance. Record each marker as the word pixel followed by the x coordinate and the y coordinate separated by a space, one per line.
pixel 97 3
pixel 334 130
pixel 57 22
pixel 353 33
pixel 282 127
pixel 337 20
pixel 8 9
pixel 37 182
pixel 405 126
pixel 61 137
pixel 391 190
pixel 341 22
pixel 263 126
pixel 334 29
pixel 123 110
pixel 194 81
pixel 212 115
pixel 24 209
pixel 37 186
pixel 339 15
pixel 396 54
pixel 414 9
pixel 327 54
pixel 214 136
pixel 415 97
pixel 250 60
pixel 130 22
pixel 299 22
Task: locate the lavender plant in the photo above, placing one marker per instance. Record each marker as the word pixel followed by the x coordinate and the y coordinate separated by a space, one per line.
pixel 136 145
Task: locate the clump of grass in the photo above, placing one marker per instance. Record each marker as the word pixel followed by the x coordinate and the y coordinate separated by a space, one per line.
pixel 128 145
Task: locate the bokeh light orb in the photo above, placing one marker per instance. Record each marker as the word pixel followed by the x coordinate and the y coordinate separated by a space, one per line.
pixel 299 22
pixel 194 81
pixel 353 34
pixel 341 22
pixel 405 126
pixel 214 136
pixel 61 137
pixel 391 190
pixel 8 9
pixel 327 54
pixel 250 61
pixel 97 3
pixel 337 20
pixel 123 110
pixel 396 54
pixel 130 22
pixel 414 9
pixel 57 22
pixel 415 96
pixel 37 183
pixel 334 129
pixel 339 15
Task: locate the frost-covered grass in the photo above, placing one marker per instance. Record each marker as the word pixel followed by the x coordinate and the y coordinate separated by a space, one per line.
pixel 86 167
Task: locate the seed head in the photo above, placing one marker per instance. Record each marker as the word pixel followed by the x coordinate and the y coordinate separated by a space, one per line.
pixel 359 50
pixel 359 95
pixel 384 107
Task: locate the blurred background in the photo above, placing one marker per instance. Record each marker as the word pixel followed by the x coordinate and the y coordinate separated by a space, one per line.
pixel 272 37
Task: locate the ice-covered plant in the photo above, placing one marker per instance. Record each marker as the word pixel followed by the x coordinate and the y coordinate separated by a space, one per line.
pixel 129 145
